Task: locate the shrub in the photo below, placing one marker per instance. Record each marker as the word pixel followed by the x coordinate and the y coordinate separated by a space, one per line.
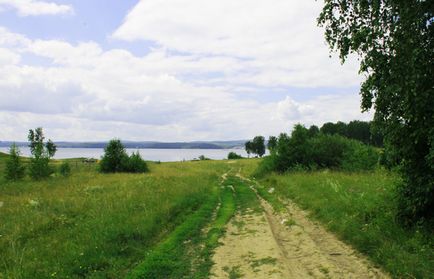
pixel 116 159
pixel 267 165
pixel 233 156
pixel 203 158
pixel 358 156
pixel 14 168
pixel 136 164
pixel 65 169
pixel 309 151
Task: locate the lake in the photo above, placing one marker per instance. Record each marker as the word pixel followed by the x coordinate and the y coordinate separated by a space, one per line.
pixel 163 155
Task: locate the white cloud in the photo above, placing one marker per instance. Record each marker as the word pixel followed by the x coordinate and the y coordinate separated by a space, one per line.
pixel 35 7
pixel 275 43
pixel 88 93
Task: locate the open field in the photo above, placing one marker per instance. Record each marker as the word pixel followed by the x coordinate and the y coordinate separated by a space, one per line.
pixel 190 219
pixel 93 225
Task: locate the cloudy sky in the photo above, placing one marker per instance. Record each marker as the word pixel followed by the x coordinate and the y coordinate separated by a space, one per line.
pixel 168 70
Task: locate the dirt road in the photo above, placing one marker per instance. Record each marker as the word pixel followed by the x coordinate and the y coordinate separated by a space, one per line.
pixel 267 244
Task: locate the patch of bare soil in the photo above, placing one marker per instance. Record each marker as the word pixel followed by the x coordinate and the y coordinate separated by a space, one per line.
pixel 286 245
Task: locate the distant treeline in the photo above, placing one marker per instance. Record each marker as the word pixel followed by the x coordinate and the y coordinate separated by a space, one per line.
pixel 358 130
pixel 145 144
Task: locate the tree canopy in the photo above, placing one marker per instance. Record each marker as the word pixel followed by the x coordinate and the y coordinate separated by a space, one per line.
pixel 394 41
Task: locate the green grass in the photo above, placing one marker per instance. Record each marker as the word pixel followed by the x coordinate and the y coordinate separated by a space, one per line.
pixel 96 225
pixel 93 225
pixel 360 209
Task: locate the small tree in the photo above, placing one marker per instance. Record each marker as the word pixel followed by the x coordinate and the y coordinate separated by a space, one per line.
pixel 249 148
pixel 259 145
pixel 14 168
pixel 115 157
pixel 41 152
pixel 272 143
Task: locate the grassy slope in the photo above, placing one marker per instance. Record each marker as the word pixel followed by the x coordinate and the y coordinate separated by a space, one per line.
pixel 359 208
pixel 93 225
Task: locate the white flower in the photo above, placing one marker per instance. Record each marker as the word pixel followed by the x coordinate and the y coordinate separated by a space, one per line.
pixel 33 203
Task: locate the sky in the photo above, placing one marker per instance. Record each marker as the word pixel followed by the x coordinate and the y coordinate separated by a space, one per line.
pixel 168 70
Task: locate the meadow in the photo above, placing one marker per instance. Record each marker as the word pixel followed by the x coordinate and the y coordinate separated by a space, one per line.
pixel 93 225
pixel 166 223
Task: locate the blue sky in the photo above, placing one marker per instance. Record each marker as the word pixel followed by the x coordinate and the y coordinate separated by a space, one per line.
pixel 168 69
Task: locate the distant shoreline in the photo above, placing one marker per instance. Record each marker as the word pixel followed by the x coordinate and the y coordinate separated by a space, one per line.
pixel 145 145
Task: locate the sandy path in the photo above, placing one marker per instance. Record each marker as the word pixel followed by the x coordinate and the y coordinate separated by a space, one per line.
pixel 285 245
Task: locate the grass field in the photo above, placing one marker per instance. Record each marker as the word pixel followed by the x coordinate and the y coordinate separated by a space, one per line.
pixel 166 223
pixel 93 225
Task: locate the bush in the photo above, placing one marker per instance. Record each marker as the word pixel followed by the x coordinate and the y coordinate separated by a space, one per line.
pixel 14 168
pixel 203 158
pixel 267 165
pixel 233 156
pixel 65 169
pixel 136 164
pixel 116 159
pixel 310 151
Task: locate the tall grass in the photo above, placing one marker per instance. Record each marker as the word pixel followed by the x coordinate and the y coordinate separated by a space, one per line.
pixel 360 209
pixel 95 225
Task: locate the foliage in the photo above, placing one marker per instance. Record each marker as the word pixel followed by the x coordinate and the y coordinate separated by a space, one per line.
pixel 14 167
pixel 249 147
pixel 395 40
pixel 313 130
pixel 65 169
pixel 136 164
pixel 272 143
pixel 259 145
pixel 359 130
pixel 41 154
pixel 301 150
pixel 233 156
pixel 203 158
pixel 256 146
pixel 116 159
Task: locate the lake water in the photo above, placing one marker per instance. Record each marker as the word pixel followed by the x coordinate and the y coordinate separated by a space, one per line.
pixel 163 155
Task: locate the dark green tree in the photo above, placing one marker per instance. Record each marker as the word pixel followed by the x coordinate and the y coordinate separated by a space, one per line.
pixel 41 153
pixel 359 130
pixel 272 143
pixel 115 158
pixel 329 128
pixel 395 42
pixel 249 148
pixel 259 145
pixel 313 131
pixel 14 167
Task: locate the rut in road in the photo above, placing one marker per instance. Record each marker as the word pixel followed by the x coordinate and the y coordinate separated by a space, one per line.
pixel 266 244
